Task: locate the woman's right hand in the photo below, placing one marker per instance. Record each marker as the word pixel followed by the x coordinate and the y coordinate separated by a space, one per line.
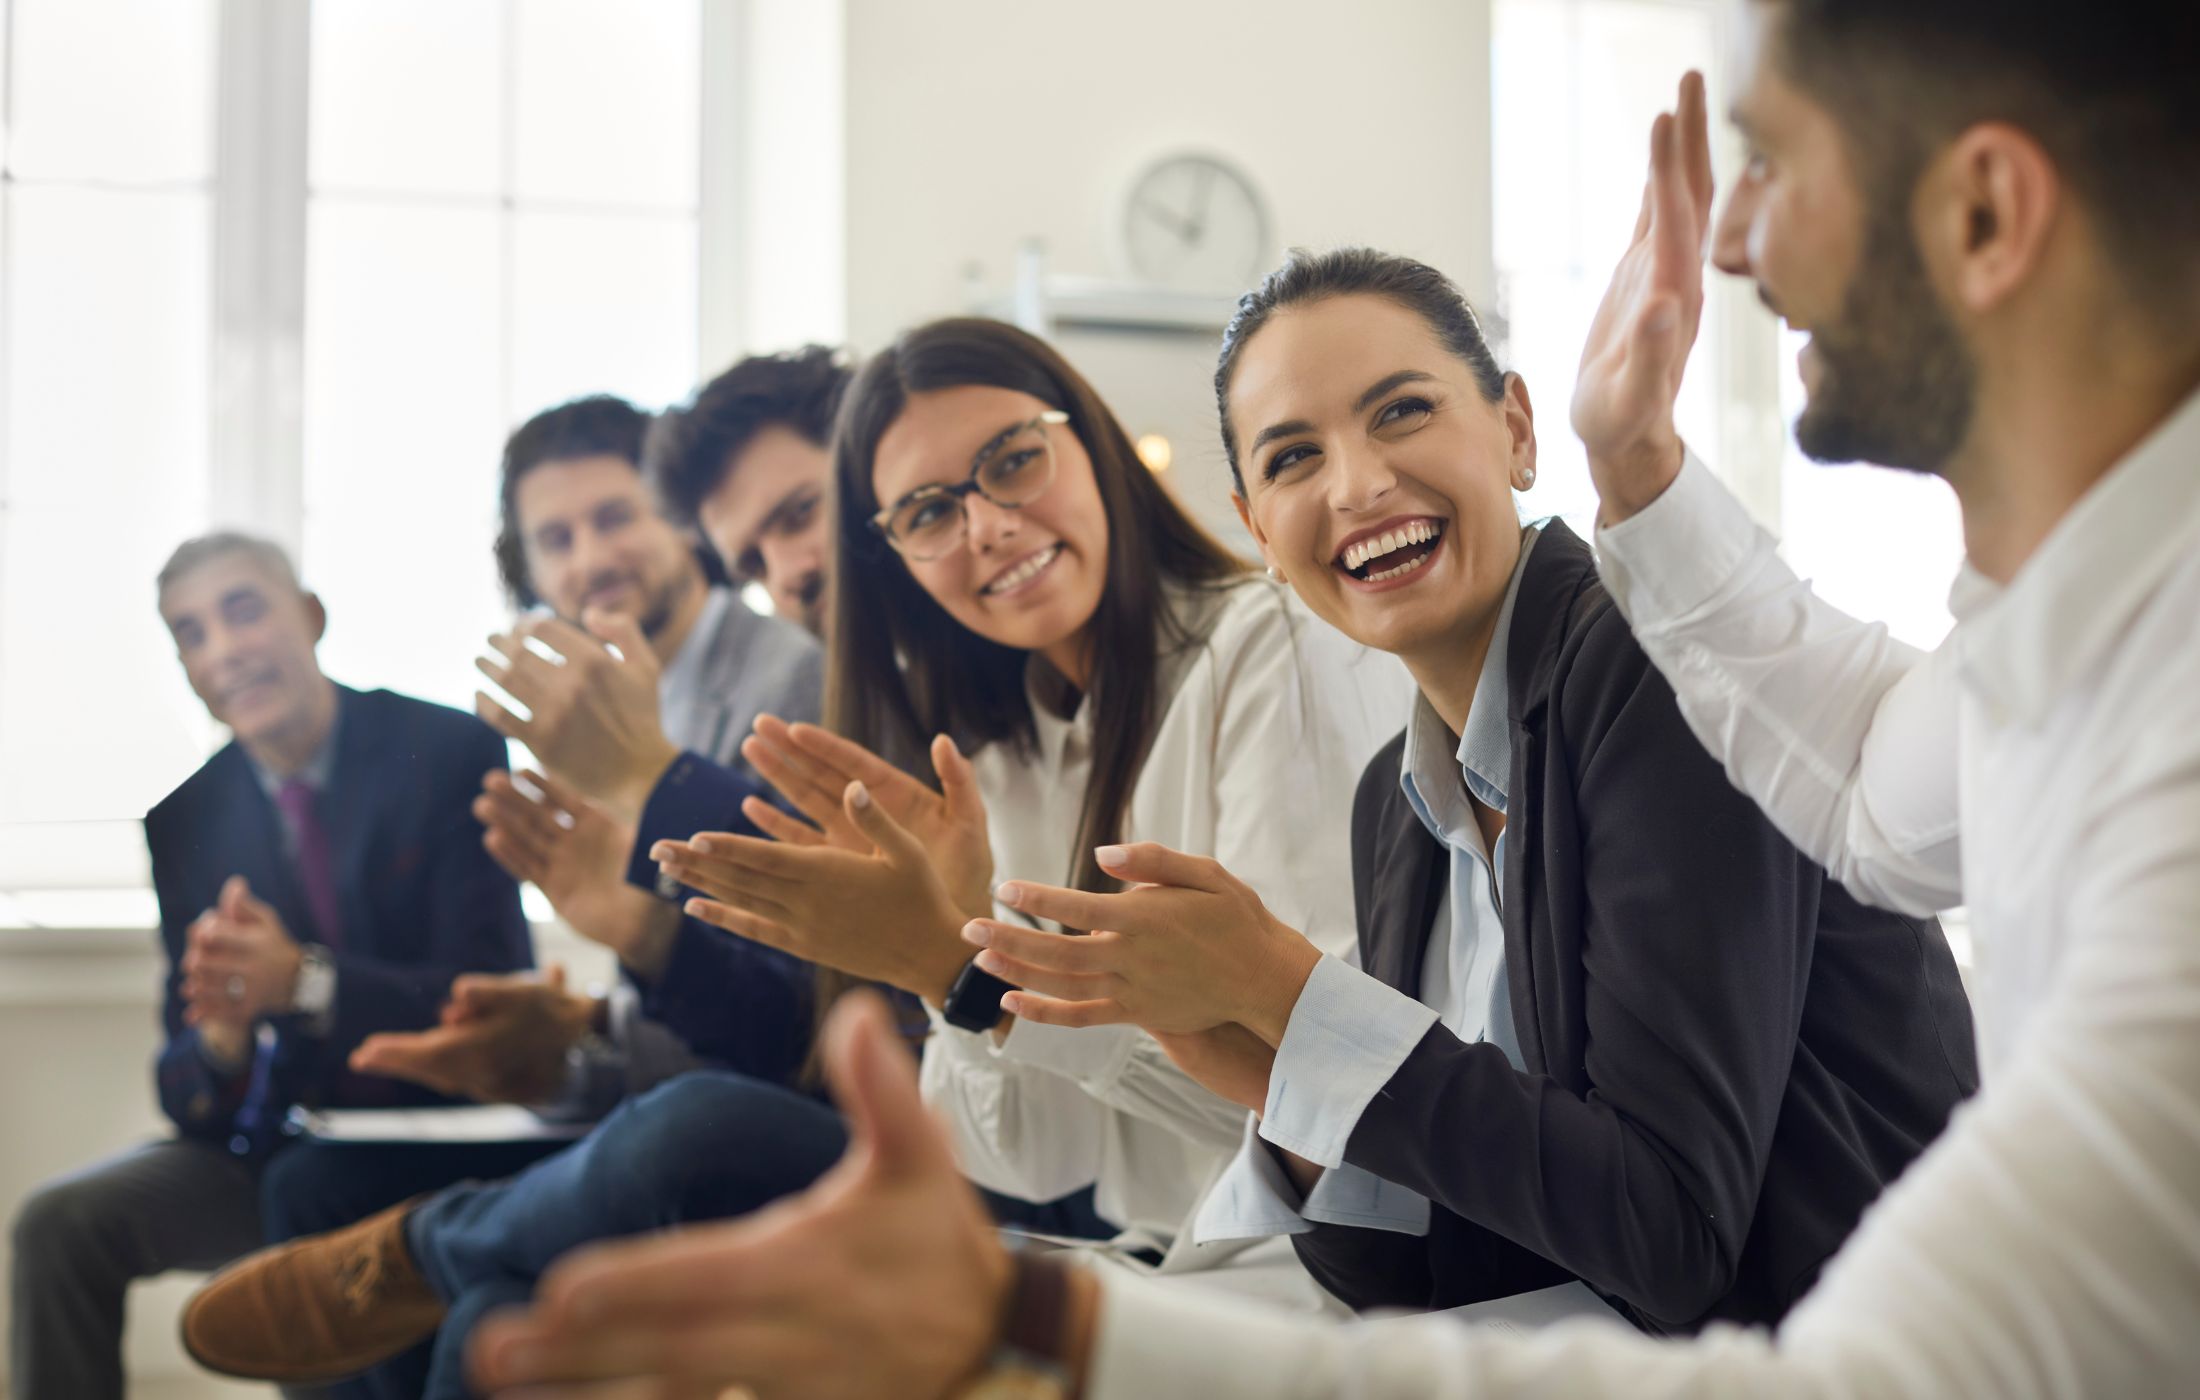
pixel 1638 345
pixel 812 767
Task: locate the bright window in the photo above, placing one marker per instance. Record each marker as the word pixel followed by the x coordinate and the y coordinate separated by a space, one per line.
pixel 1575 84
pixel 499 208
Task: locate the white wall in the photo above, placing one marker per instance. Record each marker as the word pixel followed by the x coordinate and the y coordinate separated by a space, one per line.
pixel 973 125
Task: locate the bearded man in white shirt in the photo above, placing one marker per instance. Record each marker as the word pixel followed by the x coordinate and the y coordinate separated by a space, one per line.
pixel 1987 213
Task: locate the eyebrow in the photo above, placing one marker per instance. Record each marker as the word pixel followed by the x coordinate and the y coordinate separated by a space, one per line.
pixel 1366 400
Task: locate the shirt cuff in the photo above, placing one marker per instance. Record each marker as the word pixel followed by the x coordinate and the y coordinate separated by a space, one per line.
pixel 694 795
pixel 1254 1198
pixel 1680 553
pixel 1155 1339
pixel 1347 1036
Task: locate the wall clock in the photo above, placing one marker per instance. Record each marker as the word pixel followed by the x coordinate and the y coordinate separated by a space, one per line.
pixel 1195 223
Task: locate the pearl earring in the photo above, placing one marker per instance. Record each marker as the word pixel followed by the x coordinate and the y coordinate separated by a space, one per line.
pixel 1527 477
pixel 1275 573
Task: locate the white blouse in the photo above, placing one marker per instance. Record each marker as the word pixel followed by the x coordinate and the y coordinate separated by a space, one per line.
pixel 1269 718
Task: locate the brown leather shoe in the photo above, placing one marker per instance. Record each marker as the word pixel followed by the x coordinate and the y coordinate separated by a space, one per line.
pixel 316 1309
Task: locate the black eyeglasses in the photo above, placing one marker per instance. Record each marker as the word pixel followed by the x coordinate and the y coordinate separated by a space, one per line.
pixel 1012 471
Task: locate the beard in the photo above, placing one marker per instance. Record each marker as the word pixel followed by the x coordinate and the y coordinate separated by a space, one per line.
pixel 1896 386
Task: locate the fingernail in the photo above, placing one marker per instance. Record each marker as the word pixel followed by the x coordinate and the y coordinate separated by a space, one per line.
pixel 702 845
pixel 1010 894
pixel 1111 855
pixel 977 935
pixel 661 852
pixel 988 961
pixel 861 797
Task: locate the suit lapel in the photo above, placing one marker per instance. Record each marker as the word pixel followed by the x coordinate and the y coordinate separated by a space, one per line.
pixel 250 843
pixel 358 783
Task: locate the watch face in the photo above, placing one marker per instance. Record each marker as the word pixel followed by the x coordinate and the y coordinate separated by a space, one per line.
pixel 1194 223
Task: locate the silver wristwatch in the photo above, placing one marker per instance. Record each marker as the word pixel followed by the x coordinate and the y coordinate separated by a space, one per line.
pixel 314 996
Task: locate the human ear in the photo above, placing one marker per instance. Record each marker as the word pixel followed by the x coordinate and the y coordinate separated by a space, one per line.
pixel 316 617
pixel 1987 209
pixel 1260 536
pixel 1519 412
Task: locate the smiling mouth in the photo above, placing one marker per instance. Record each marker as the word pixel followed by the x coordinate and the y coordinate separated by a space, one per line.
pixel 1022 572
pixel 1392 554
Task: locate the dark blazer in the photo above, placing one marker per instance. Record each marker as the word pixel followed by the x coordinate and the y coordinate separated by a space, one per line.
pixel 1727 1056
pixel 421 902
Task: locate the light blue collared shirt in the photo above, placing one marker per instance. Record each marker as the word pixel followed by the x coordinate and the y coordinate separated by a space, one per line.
pixel 1349 1033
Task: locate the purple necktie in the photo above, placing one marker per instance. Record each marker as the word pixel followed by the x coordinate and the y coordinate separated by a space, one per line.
pixel 316 871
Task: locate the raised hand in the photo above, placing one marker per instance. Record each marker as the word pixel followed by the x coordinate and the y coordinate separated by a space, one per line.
pixel 1229 1060
pixel 881 913
pixel 884 1278
pixel 239 964
pixel 1189 948
pixel 576 854
pixel 502 1039
pixel 812 767
pixel 593 712
pixel 1639 342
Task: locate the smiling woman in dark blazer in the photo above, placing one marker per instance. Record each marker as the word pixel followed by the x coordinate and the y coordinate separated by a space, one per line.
pixel 1611 1025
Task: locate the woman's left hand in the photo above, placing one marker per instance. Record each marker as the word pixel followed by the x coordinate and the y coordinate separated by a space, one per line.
pixel 883 914
pixel 1191 947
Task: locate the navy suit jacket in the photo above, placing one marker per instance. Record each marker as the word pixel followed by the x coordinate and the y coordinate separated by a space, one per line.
pixel 421 902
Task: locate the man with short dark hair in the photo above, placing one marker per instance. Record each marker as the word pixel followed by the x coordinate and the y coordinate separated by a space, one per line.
pixel 748 463
pixel 1987 215
pixel 321 878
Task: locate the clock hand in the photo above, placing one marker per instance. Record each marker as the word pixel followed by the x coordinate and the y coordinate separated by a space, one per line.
pixel 1201 203
pixel 1160 214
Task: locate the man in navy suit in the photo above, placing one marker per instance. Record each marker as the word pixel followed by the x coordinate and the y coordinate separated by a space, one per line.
pixel 320 878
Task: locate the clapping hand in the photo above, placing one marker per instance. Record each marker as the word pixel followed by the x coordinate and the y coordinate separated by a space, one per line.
pixel 813 767
pixel 503 1038
pixel 1189 948
pixel 593 717
pixel 576 854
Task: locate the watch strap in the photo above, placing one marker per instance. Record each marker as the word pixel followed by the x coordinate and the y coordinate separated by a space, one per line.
pixel 974 999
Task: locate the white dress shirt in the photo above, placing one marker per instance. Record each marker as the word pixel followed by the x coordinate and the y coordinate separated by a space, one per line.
pixel 1348 1032
pixel 1268 719
pixel 2042 766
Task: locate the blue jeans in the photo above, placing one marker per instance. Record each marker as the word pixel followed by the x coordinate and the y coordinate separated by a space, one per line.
pixel 705 1146
pixel 709 1145
pixel 311 1187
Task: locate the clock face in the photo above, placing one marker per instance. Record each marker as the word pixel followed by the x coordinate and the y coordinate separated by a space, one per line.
pixel 1194 223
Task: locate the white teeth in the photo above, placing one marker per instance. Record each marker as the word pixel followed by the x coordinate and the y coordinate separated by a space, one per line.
pixel 1406 568
pixel 1414 532
pixel 1024 571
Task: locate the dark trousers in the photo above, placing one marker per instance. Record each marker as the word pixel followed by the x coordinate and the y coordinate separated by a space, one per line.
pixel 311 1187
pixel 81 1240
pixel 708 1145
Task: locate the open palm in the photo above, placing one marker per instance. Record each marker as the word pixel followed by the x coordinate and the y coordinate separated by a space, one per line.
pixel 812 767
pixel 1638 344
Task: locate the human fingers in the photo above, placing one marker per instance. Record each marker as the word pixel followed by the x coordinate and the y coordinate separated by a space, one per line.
pixel 878 826
pixel 420 1057
pixel 501 806
pixel 624 632
pixel 571 643
pixel 814 793
pixel 757 928
pixel 556 795
pixel 519 860
pixel 958 781
pixel 1151 863
pixel 778 825
pixel 1070 908
pixel 502 720
pixel 1694 124
pixel 1034 977
pixel 1082 954
pixel 1073 1015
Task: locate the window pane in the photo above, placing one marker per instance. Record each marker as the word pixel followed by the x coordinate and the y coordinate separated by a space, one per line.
pixel 1574 86
pixel 113 726
pixel 1877 543
pixel 404 358
pixel 606 101
pixel 601 304
pixel 113 89
pixel 107 310
pixel 408 95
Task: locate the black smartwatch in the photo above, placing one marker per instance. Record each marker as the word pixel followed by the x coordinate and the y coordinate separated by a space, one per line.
pixel 974 999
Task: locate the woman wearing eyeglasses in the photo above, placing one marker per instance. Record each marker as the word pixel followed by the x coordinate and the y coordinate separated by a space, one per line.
pixel 1013 584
